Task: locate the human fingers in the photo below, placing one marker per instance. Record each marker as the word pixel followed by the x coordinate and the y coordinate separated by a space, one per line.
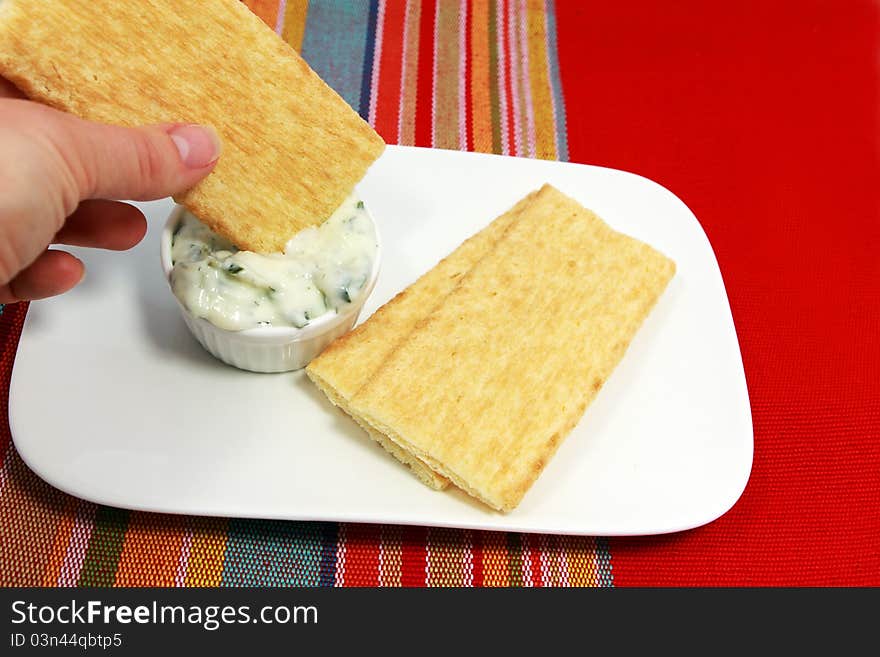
pixel 142 163
pixel 51 161
pixel 53 272
pixel 9 90
pixel 103 224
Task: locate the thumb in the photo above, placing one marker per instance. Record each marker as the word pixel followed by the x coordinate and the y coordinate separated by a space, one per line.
pixel 140 164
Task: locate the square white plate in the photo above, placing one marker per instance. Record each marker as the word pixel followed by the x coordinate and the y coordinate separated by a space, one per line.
pixel 112 399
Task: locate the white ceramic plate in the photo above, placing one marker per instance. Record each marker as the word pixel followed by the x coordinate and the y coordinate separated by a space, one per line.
pixel 113 400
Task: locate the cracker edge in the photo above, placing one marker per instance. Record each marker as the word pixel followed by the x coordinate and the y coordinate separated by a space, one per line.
pixel 511 497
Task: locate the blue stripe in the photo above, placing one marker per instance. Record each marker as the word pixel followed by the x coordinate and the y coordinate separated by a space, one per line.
pixel 367 79
pixel 327 575
pixel 335 42
pixel 272 553
pixel 556 84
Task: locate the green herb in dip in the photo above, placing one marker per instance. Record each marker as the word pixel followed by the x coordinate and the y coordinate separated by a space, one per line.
pixel 322 270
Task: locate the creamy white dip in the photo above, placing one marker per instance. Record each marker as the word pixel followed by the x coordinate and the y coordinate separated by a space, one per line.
pixel 322 270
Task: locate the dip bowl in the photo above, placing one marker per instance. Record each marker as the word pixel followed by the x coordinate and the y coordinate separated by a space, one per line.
pixel 268 348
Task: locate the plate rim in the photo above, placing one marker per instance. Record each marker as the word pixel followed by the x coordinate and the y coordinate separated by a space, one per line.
pixel 718 510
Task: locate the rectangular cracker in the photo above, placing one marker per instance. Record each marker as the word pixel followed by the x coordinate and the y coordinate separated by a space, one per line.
pixel 485 389
pixel 293 149
pixel 349 362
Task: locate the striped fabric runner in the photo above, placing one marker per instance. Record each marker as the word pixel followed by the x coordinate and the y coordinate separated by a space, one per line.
pixel 479 75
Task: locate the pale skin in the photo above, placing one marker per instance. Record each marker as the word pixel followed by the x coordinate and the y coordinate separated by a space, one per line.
pixel 59 178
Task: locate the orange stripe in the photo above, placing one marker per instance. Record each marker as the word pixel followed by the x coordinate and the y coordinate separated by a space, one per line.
pixel 447 550
pixel 31 512
pixel 390 71
pixel 481 102
pixel 362 554
pixel 582 566
pixel 496 570
pixel 207 552
pixel 151 550
pixel 295 14
pixel 407 133
pixel 539 79
pixel 267 10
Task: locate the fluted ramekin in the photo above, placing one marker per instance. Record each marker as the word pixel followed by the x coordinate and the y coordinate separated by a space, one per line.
pixel 270 348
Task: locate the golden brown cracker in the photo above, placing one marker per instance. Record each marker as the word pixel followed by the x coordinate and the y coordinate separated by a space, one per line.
pixel 485 389
pixel 349 362
pixel 292 147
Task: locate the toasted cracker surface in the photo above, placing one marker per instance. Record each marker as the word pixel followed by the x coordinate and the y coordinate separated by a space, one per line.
pixel 349 362
pixel 292 147
pixel 485 389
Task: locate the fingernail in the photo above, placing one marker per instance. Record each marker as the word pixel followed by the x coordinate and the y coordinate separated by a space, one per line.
pixel 198 145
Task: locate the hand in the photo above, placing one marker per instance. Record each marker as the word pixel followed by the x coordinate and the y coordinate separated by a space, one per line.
pixel 57 174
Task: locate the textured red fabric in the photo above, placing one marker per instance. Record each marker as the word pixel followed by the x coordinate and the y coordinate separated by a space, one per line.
pixel 425 84
pixel 413 556
pixel 10 329
pixel 362 554
pixel 763 118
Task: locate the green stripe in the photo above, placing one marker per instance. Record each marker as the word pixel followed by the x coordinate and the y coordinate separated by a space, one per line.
pixel 514 558
pixel 493 77
pixel 105 547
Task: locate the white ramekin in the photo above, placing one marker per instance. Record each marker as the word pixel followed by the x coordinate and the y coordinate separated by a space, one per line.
pixel 271 348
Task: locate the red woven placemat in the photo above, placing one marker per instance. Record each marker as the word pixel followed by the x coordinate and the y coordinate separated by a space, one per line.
pixel 763 118
pixel 481 76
